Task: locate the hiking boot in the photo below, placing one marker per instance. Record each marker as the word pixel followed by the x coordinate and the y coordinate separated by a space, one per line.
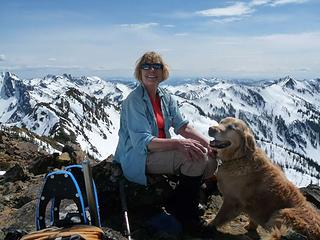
pixel 184 201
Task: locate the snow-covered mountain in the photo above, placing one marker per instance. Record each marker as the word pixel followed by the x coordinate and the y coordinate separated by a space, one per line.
pixel 284 114
pixel 85 110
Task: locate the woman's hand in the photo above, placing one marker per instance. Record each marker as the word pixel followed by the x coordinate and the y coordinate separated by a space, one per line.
pixel 212 152
pixel 189 132
pixel 192 149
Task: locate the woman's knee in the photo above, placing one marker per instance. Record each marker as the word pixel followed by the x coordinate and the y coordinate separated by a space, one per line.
pixel 193 167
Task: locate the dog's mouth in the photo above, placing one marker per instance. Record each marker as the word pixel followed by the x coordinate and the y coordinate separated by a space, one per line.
pixel 219 144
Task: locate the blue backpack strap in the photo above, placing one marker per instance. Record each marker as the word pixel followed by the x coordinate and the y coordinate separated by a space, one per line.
pixel 59 185
pixel 77 172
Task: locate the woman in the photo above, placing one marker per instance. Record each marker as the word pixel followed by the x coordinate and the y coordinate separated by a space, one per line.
pixel 145 146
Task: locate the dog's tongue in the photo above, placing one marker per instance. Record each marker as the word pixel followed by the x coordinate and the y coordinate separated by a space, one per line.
pixel 219 144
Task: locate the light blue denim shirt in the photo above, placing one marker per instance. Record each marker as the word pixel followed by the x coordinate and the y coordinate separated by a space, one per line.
pixel 138 127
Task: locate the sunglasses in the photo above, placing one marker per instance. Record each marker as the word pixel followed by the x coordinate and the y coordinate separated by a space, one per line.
pixel 147 66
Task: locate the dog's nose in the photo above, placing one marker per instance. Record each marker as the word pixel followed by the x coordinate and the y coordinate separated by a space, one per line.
pixel 212 131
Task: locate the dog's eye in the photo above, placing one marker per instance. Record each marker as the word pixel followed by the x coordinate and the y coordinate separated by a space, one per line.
pixel 231 127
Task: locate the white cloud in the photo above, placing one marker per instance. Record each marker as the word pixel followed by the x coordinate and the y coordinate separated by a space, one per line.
pixel 259 2
pixel 275 2
pixel 181 34
pixel 238 9
pixel 306 69
pixel 282 2
pixel 52 59
pixel 139 26
pixel 2 57
pixel 227 20
pixel 169 26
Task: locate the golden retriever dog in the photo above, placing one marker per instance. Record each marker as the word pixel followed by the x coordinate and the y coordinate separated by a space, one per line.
pixel 250 183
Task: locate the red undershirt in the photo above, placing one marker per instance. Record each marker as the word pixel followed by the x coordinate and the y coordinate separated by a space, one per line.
pixel 156 104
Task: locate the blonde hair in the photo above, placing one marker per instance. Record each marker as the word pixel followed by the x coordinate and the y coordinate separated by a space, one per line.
pixel 151 57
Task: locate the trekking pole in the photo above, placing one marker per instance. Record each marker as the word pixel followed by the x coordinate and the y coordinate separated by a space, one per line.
pixel 124 207
pixel 91 197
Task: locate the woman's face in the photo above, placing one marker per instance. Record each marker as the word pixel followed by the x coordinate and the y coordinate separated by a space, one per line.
pixel 151 73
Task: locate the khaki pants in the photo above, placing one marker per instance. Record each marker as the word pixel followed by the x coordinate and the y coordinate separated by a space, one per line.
pixel 175 163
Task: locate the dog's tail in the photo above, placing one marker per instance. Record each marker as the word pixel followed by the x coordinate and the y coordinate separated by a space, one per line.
pixel 295 223
pixel 276 233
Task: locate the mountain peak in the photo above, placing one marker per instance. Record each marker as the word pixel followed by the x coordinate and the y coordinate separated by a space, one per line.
pixel 9 75
pixel 66 75
pixel 7 85
pixel 290 83
pixel 80 81
pixel 287 82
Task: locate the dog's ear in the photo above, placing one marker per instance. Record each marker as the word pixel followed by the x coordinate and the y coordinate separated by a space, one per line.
pixel 250 143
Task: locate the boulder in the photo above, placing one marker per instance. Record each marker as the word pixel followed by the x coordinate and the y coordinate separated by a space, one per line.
pixel 15 173
pixel 312 194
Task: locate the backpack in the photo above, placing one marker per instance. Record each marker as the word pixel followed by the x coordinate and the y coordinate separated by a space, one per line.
pixel 75 184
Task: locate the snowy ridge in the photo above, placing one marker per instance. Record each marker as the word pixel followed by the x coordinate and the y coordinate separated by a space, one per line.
pixel 64 108
pixel 283 114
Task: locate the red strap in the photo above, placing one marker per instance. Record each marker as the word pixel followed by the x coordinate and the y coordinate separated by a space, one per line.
pixel 156 104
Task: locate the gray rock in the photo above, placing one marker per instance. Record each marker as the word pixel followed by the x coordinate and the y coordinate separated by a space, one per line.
pixel 312 194
pixel 16 173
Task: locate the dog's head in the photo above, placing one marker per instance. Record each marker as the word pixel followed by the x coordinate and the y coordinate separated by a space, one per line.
pixel 232 138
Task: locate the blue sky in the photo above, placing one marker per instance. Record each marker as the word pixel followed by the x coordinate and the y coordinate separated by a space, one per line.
pixel 197 38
